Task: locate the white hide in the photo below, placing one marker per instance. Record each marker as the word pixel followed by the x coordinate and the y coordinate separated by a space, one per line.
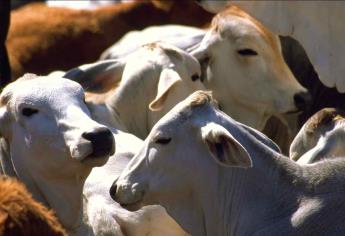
pixel 180 36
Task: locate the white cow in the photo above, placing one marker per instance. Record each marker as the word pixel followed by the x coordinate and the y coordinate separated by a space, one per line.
pixel 251 80
pixel 322 136
pixel 315 24
pixel 142 87
pixel 216 178
pixel 50 143
pixel 253 63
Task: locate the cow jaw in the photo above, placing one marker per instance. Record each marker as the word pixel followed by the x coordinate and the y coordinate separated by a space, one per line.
pixel 130 196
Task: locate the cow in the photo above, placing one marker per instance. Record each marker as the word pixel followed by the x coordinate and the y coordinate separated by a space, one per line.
pixel 50 143
pixel 256 64
pixel 140 88
pixel 322 136
pixel 216 178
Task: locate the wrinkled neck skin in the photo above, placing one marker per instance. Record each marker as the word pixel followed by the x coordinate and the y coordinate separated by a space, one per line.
pixel 63 195
pixel 131 102
pixel 233 202
pixel 252 115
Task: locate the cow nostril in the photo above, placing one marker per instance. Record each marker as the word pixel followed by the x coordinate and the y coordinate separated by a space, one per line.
pixel 302 100
pixel 112 190
pixel 102 141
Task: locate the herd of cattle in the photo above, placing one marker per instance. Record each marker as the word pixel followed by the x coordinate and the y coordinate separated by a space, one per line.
pixel 164 134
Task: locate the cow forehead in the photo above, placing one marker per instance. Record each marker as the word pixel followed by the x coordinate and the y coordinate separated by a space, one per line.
pixel 187 110
pixel 43 90
pixel 245 25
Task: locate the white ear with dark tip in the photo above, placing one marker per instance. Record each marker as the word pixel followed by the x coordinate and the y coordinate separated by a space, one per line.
pixel 224 148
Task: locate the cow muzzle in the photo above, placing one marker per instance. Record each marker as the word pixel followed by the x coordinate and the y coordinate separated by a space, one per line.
pixel 303 101
pixel 102 142
pixel 129 196
pixel 93 146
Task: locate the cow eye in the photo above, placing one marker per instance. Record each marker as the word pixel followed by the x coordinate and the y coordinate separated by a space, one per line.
pixel 163 141
pixel 195 77
pixel 29 112
pixel 247 52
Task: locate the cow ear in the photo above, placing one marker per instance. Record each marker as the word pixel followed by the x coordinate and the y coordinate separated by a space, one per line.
pixel 97 77
pixel 224 148
pixel 202 55
pixel 167 79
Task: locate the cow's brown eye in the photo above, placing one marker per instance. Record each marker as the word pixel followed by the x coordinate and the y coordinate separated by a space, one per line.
pixel 247 52
pixel 163 140
pixel 29 112
pixel 195 77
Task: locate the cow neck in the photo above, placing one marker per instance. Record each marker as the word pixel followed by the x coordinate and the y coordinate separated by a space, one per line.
pixel 252 115
pixel 5 159
pixel 258 195
pixel 60 193
pixel 131 102
pixel 64 195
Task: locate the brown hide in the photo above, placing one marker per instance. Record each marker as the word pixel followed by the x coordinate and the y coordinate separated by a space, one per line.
pixel 20 214
pixel 42 39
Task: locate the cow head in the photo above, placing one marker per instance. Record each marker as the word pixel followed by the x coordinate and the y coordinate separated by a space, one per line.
pixel 243 64
pixel 322 136
pixel 184 147
pixel 179 76
pixel 47 127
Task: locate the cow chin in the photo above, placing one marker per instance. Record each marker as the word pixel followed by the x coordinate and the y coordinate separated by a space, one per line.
pixel 128 196
pixel 133 206
pixel 95 161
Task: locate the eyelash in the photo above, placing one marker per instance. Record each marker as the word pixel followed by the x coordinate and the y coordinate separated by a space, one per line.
pixel 247 52
pixel 163 141
pixel 28 112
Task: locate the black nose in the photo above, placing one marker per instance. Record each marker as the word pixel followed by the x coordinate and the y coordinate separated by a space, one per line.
pixel 102 141
pixel 112 190
pixel 302 100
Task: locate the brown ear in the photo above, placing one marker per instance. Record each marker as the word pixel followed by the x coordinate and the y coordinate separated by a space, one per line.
pixel 167 79
pixel 224 148
pixel 98 77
